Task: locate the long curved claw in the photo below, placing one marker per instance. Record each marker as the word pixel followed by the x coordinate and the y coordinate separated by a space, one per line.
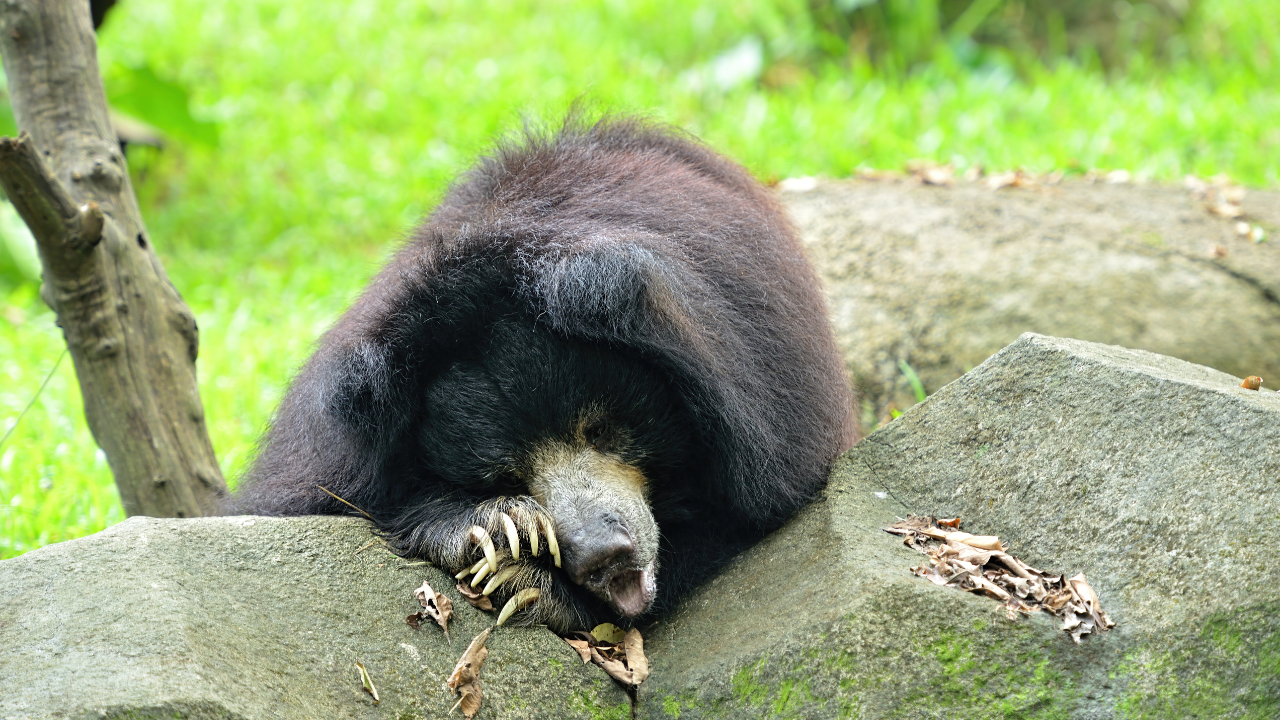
pixel 483 572
pixel 519 601
pixel 471 570
pixel 552 544
pixel 481 536
pixel 502 576
pixel 529 524
pixel 513 537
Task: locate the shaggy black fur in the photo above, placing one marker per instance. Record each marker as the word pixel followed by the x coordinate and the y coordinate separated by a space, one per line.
pixel 619 265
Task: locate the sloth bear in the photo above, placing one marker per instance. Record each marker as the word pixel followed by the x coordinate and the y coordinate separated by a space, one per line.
pixel 599 369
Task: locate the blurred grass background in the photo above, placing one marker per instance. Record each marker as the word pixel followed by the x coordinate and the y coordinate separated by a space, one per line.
pixel 303 139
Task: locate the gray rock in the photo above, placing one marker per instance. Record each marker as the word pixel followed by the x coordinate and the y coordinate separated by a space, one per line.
pixel 257 618
pixel 1158 479
pixel 943 277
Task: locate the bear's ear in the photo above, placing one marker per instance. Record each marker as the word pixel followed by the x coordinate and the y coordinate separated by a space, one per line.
pixel 414 318
pixel 365 393
pixel 622 292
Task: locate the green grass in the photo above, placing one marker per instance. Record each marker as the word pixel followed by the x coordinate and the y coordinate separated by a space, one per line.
pixel 340 124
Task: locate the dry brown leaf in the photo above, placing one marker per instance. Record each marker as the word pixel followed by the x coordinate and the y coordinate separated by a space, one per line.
pixel 367 683
pixel 1017 178
pixel 968 553
pixel 436 606
pixel 616 668
pixel 465 678
pixel 1013 564
pixel 989 587
pixel 1224 208
pixel 1083 628
pixel 474 596
pixel 956 561
pixel 941 175
pixel 582 647
pixel 982 542
pixel 931 575
pixel 639 664
pixel 619 653
pixel 1083 590
pixel 1253 382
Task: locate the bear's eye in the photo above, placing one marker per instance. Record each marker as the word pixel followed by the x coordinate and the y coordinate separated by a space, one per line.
pixel 509 484
pixel 601 437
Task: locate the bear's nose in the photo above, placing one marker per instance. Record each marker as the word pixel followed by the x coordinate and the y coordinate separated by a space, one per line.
pixel 598 550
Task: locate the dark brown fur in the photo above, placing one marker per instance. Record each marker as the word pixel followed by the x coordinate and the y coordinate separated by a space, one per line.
pixel 622 236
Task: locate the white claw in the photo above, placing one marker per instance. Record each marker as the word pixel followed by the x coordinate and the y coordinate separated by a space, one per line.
pixel 513 537
pixel 472 569
pixel 481 536
pixel 531 529
pixel 519 601
pixel 483 572
pixel 552 545
pixel 502 576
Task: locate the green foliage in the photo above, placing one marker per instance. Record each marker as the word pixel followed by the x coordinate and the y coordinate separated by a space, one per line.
pixel 917 387
pixel 139 92
pixel 19 261
pixel 898 35
pixel 338 125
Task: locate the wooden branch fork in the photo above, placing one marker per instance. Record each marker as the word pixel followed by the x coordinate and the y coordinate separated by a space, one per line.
pixel 132 338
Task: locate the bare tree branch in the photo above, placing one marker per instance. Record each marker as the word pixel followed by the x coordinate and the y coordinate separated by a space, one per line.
pixel 132 339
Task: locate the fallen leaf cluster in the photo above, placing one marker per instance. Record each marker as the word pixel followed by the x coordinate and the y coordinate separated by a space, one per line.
pixel 1014 178
pixel 621 654
pixel 930 173
pixel 435 606
pixel 1218 195
pixel 465 679
pixel 466 674
pixel 979 564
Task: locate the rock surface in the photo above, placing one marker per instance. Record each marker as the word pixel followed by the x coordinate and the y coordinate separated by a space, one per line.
pixel 943 277
pixel 1158 479
pixel 257 618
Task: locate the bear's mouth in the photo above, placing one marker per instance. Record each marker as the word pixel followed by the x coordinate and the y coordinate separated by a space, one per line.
pixel 628 589
pixel 630 592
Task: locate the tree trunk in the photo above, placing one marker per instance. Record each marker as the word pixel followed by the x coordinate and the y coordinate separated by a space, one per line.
pixel 132 338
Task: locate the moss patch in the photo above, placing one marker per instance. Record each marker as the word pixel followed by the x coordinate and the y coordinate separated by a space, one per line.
pixel 674 707
pixel 1231 668
pixel 589 703
pixel 907 659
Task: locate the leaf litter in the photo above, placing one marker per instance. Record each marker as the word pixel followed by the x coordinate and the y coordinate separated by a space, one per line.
pixel 465 679
pixel 473 596
pixel 980 564
pixel 620 653
pixel 435 606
